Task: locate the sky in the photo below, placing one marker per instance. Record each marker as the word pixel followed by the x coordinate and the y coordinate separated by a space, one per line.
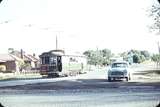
pixel 118 25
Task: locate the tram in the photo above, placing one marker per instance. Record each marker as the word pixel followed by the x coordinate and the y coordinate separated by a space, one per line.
pixel 56 63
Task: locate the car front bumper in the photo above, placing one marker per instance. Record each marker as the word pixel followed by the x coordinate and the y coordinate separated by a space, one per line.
pixel 117 76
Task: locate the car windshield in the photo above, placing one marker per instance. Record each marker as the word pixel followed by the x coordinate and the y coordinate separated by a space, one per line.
pixel 119 65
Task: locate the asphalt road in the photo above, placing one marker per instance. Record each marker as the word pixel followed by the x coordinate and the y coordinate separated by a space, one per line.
pixel 87 90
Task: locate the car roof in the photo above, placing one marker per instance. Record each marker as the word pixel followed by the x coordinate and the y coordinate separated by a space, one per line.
pixel 120 62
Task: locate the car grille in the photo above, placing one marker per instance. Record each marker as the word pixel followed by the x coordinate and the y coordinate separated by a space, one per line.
pixel 117 73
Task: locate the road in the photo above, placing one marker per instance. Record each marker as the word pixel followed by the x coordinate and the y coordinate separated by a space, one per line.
pixel 86 90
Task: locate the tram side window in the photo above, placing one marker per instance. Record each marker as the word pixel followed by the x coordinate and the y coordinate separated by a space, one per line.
pixel 43 60
pixel 46 60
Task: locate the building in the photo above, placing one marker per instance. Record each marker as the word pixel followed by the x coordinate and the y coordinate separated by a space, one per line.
pixel 17 61
pixel 10 62
pixel 30 60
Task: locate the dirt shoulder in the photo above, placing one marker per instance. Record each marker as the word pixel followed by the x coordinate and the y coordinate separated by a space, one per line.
pixel 147 76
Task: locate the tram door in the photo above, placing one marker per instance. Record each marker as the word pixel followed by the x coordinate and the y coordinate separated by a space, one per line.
pixel 59 63
pixel 53 64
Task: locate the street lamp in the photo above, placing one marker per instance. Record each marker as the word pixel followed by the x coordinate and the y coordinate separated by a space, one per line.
pixel 158 47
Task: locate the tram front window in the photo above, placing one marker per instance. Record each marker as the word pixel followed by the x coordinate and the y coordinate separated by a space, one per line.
pixel 52 60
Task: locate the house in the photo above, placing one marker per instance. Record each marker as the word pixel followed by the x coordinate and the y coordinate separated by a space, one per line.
pixel 30 61
pixel 17 61
pixel 10 62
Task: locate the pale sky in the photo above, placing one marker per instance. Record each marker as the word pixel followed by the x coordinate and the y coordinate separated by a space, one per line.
pixel 80 25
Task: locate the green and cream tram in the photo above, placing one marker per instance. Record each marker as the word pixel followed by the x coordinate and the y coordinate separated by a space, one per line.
pixel 55 63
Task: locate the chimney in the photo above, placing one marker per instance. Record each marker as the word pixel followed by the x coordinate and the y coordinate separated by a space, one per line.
pixel 21 53
pixel 56 43
pixel 34 54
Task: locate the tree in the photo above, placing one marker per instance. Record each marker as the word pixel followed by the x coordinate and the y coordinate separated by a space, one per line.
pixel 136 59
pixel 156 57
pixel 98 57
pixel 124 55
pixel 87 53
pixel 146 54
pixel 142 58
pixel 135 56
pixel 10 50
pixel 107 54
pixel 91 57
pixel 155 15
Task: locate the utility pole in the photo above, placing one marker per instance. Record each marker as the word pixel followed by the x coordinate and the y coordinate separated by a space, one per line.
pixel 56 43
pixel 57 38
pixel 158 47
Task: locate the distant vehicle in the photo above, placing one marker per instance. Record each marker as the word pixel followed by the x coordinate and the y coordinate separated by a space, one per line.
pixel 119 70
pixel 55 63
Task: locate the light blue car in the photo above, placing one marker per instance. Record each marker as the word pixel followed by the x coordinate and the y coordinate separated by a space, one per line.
pixel 119 70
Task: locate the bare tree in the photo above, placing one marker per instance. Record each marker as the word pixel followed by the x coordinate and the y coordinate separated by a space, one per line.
pixel 155 15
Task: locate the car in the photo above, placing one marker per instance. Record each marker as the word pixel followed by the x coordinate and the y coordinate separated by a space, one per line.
pixel 119 70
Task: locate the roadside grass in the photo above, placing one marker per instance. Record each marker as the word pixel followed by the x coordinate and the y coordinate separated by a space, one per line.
pixel 26 76
pixel 147 75
pixel 154 71
pixel 12 76
pixel 145 72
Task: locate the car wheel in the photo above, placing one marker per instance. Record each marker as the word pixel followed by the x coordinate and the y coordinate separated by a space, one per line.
pixel 109 79
pixel 127 78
